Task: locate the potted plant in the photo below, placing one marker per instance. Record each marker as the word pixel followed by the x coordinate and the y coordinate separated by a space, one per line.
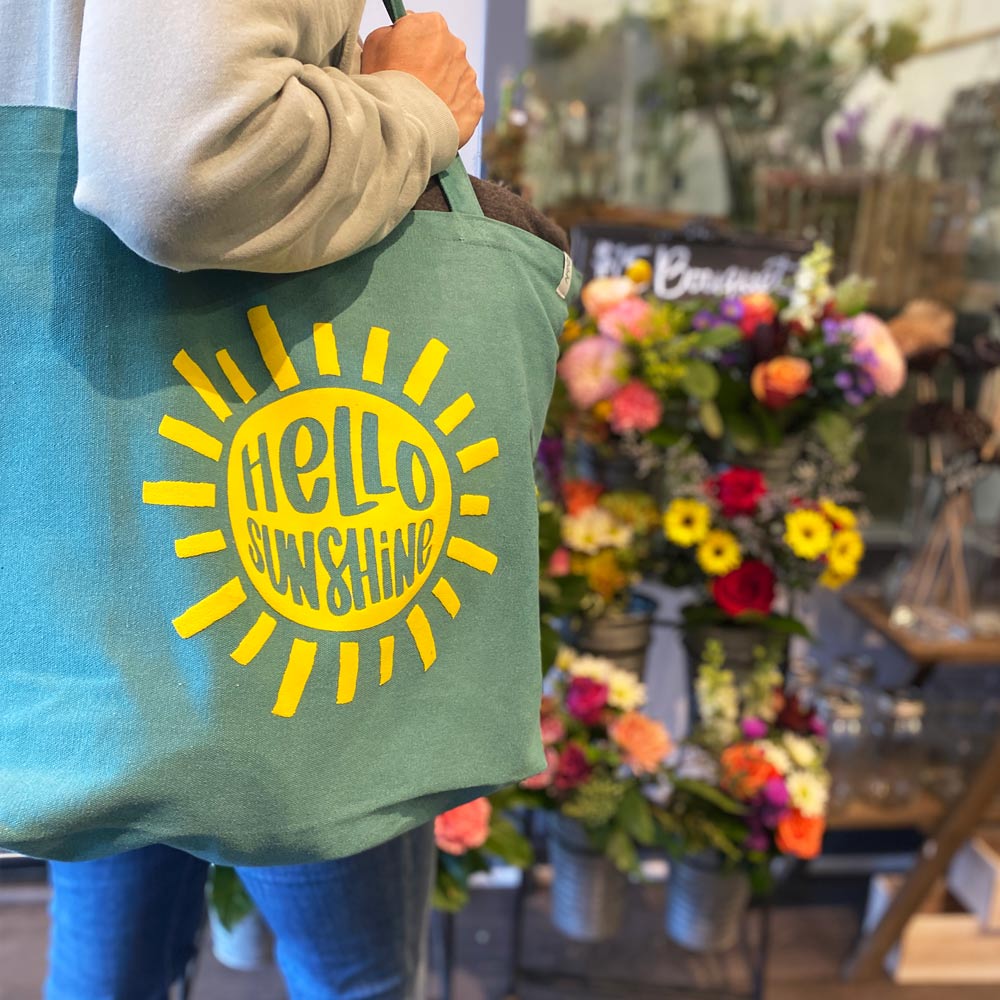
pixel 604 758
pixel 241 939
pixel 750 784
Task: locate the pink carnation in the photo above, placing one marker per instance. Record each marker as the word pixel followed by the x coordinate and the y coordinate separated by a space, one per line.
pixel 544 778
pixel 591 370
pixel 603 294
pixel 465 828
pixel 635 408
pixel 629 318
pixel 553 730
pixel 878 354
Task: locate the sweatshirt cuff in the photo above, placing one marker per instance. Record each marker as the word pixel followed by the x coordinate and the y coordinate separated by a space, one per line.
pixel 420 102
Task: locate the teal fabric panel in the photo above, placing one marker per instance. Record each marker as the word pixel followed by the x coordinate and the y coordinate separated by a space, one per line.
pixel 269 563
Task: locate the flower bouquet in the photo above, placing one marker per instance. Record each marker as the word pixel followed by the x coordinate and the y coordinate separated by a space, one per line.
pixel 467 838
pixel 751 783
pixel 744 546
pixel 602 755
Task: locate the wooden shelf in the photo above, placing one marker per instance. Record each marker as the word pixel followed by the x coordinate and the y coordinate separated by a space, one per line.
pixel 922 814
pixel 924 653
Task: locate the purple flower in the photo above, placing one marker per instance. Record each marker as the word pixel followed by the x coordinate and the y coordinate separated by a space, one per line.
pixel 775 793
pixel 866 384
pixel 704 320
pixel 755 729
pixel 833 331
pixel 844 381
pixel 854 398
pixel 758 839
pixel 732 310
pixel 818 727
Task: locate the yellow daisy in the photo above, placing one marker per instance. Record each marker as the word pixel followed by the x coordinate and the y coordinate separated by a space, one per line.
pixel 843 517
pixel 640 272
pixel 808 533
pixel 686 522
pixel 845 553
pixel 719 553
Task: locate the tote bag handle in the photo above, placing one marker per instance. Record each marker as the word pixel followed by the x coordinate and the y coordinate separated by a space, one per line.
pixel 454 181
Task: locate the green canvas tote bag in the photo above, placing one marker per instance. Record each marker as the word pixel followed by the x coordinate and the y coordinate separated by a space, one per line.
pixel 269 563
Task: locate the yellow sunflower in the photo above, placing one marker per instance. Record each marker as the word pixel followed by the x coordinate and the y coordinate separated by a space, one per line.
pixel 808 533
pixel 719 553
pixel 686 522
pixel 846 551
pixel 834 581
pixel 843 517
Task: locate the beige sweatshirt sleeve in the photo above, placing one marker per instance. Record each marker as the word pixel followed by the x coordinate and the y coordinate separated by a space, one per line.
pixel 216 134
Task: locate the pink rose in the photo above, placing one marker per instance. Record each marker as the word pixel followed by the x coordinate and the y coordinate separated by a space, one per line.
pixel 635 408
pixel 603 294
pixel 876 350
pixel 465 828
pixel 553 730
pixel 592 370
pixel 629 318
pixel 572 769
pixel 543 779
pixel 559 563
pixel 586 700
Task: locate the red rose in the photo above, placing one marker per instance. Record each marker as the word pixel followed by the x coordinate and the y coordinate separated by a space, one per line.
pixel 749 588
pixel 795 716
pixel 572 769
pixel 739 491
pixel 758 310
pixel 586 699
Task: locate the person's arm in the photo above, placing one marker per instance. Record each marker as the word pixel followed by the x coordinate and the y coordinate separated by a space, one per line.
pixel 210 136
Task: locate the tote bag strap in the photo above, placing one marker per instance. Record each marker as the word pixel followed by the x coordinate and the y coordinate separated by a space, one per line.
pixel 454 181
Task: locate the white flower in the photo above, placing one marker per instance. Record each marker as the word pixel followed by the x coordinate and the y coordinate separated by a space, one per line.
pixel 809 794
pixel 620 536
pixel 591 531
pixel 803 751
pixel 625 691
pixel 776 756
pixel 596 668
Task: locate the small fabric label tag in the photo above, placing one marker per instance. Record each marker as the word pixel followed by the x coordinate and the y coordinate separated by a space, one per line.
pixel 567 278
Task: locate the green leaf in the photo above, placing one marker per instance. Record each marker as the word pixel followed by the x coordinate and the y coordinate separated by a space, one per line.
pixel 712 795
pixel 450 894
pixel 636 817
pixel 506 843
pixel 720 337
pixel 701 380
pixel 711 420
pixel 229 898
pixel 838 435
pixel 550 646
pixel 621 850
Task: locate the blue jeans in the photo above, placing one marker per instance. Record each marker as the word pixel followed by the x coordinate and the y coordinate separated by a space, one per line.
pixel 125 928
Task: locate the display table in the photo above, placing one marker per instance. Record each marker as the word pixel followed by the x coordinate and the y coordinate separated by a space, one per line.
pixel 955 827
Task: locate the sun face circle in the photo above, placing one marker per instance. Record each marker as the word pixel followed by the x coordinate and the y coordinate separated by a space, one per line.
pixel 339 503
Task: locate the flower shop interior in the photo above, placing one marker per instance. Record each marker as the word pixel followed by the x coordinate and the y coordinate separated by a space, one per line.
pixel 769 520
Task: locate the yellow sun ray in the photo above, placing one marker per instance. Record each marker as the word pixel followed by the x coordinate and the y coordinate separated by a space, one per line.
pixel 453 415
pixel 445 593
pixel 179 494
pixel 195 376
pixel 272 348
pixel 211 609
pixel 373 367
pixel 425 371
pixel 236 378
pixel 387 651
pixel 253 642
pixel 470 554
pixel 478 454
pixel 420 629
pixel 200 545
pixel 300 665
pixel 327 359
pixel 189 436
pixel 347 683
pixel 471 505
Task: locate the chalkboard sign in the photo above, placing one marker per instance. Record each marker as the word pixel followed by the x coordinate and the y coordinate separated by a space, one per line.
pixel 698 261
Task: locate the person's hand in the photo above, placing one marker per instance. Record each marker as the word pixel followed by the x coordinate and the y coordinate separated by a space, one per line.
pixel 422 45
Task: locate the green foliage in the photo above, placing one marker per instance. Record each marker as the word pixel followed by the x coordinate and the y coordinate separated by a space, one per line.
pixel 636 817
pixel 595 803
pixel 701 380
pixel 507 844
pixel 228 897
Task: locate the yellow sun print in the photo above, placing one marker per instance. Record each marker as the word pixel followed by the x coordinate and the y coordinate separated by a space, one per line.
pixel 339 503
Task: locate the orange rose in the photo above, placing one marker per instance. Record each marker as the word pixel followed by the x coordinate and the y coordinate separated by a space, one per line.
pixel 800 836
pixel 745 770
pixel 603 294
pixel 646 744
pixel 781 381
pixel 580 495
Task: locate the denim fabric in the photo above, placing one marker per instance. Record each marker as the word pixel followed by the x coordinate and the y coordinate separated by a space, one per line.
pixel 125 927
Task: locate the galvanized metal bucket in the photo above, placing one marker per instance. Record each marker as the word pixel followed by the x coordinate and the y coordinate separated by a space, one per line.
pixel 588 892
pixel 622 637
pixel 777 463
pixel 706 905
